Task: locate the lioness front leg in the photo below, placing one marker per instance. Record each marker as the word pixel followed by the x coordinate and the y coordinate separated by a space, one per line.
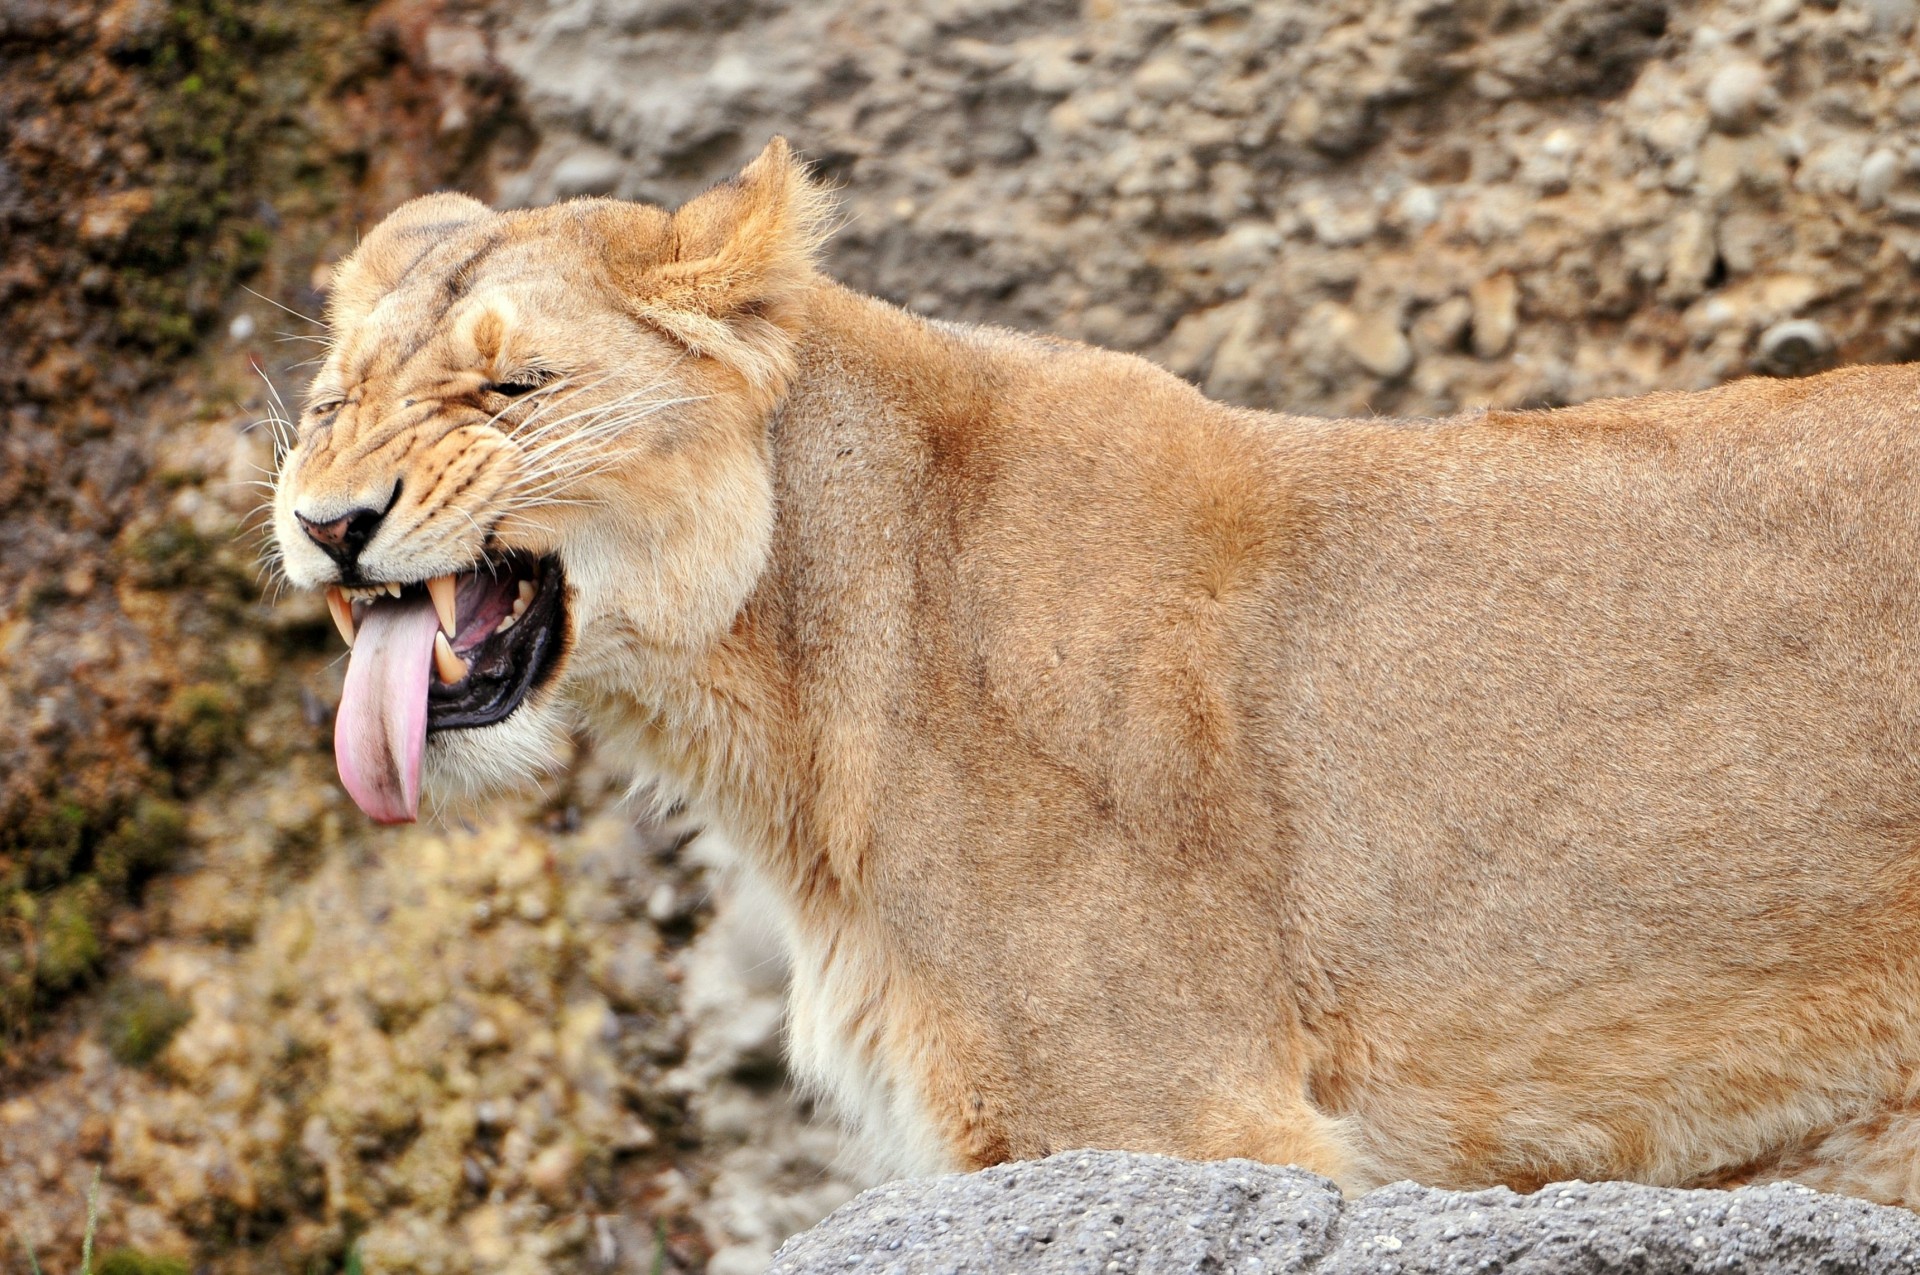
pixel 1291 1132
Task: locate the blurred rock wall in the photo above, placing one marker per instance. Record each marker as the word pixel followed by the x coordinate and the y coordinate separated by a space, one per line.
pixel 1402 206
pixel 545 1037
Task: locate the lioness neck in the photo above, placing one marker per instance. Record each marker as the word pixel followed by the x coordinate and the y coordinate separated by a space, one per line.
pixel 913 483
pixel 993 557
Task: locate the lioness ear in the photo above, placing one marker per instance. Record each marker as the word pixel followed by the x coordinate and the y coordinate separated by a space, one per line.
pixel 404 236
pixel 734 257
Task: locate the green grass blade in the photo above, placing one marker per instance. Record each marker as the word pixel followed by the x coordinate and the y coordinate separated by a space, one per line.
pixel 93 1222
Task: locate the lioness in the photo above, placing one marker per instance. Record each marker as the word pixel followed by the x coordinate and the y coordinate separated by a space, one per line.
pixel 1513 797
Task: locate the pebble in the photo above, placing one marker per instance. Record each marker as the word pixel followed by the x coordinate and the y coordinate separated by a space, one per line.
pixel 1377 344
pixel 1793 347
pixel 1496 307
pixel 1418 207
pixel 550 1173
pixel 1736 93
pixel 1165 79
pixel 1878 172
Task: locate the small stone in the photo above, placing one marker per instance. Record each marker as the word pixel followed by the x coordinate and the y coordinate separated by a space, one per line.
pixel 1496 307
pixel 108 218
pixel 1377 344
pixel 1165 79
pixel 550 1173
pixel 1443 328
pixel 1339 225
pixel 1690 255
pixel 1246 249
pixel 1878 172
pixel 1675 133
pixel 242 328
pixel 1418 207
pixel 1736 94
pixel 1831 168
pixel 1794 347
pixel 95 1137
pixel 456 50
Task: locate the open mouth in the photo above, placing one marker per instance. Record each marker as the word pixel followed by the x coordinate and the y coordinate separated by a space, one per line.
pixel 456 651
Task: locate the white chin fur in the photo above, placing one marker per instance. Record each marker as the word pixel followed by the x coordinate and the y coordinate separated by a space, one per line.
pixel 477 762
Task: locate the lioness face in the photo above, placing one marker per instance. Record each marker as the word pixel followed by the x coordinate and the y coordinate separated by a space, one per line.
pixel 537 442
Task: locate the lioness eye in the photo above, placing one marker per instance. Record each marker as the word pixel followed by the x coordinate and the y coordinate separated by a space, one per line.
pixel 515 388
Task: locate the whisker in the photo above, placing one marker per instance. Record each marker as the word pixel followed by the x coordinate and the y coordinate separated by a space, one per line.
pixel 304 318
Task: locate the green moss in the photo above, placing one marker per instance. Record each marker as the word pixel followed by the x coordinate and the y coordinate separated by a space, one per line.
pixel 207 63
pixel 64 866
pixel 52 840
pixel 200 723
pixel 140 1018
pixel 130 1261
pixel 144 842
pixel 168 556
pixel 69 937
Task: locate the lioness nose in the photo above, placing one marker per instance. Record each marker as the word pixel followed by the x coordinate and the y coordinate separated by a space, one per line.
pixel 342 538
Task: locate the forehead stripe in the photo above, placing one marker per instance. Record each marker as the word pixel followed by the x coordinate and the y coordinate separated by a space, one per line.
pixel 455 283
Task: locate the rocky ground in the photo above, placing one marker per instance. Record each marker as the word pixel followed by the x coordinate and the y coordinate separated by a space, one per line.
pixel 539 1038
pixel 1081 1212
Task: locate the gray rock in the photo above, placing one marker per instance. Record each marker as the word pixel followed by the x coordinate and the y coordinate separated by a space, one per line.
pixel 1736 93
pixel 1105 1211
pixel 1878 172
pixel 1793 347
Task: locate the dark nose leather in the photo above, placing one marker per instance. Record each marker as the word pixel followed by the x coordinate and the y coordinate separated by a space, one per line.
pixel 343 537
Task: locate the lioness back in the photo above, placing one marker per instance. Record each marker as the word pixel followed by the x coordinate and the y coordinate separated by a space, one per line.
pixel 1497 799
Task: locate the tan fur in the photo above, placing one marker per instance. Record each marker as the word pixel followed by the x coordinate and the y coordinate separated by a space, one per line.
pixel 1499 799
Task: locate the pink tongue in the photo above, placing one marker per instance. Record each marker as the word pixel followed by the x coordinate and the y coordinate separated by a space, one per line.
pixel 381 728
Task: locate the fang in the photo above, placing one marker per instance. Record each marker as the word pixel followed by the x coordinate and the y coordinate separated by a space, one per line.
pixel 440 589
pixel 449 666
pixel 342 612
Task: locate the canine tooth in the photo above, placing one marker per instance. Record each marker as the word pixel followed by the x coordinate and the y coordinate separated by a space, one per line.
pixel 526 596
pixel 449 666
pixel 342 611
pixel 506 622
pixel 440 589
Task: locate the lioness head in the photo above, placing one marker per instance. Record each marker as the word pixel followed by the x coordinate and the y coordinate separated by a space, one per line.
pixel 537 437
